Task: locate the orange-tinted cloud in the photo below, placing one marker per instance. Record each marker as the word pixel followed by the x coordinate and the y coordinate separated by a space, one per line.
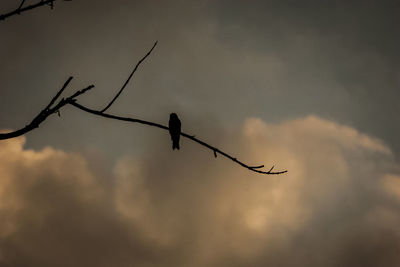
pixel 337 206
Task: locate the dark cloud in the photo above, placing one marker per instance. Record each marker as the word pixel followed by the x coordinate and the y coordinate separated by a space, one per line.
pixel 340 58
pixel 232 59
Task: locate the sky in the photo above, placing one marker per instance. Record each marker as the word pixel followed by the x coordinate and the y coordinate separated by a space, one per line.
pixel 310 86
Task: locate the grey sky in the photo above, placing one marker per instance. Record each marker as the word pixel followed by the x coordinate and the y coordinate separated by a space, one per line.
pixel 229 60
pixel 308 86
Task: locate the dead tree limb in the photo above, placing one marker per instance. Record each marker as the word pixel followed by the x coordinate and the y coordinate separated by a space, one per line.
pixel 71 100
pixel 21 9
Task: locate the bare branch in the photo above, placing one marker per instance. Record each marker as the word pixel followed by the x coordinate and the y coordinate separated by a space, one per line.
pixel 130 76
pixel 191 137
pixel 20 10
pixel 47 111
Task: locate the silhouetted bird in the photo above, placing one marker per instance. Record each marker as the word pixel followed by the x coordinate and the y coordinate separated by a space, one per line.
pixel 174 130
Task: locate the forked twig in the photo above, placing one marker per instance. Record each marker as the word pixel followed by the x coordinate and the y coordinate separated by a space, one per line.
pixel 47 111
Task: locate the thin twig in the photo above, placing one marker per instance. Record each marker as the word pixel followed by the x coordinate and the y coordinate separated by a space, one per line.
pixel 19 10
pixel 59 93
pixel 22 3
pixel 257 167
pixel 130 76
pixel 191 137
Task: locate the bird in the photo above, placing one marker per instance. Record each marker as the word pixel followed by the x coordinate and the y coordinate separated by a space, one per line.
pixel 174 130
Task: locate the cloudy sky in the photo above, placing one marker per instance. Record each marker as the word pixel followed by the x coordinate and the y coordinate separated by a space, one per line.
pixel 312 87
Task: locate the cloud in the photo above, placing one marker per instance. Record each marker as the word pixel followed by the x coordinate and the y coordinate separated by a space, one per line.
pixel 337 206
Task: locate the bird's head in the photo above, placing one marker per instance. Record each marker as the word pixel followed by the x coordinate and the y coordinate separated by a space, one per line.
pixel 173 115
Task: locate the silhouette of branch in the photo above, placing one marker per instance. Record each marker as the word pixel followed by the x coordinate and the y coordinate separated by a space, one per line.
pixel 52 109
pixel 21 9
pixel 191 137
pixel 130 76
pixel 47 111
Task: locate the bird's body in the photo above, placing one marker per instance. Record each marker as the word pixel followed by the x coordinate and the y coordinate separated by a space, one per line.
pixel 174 130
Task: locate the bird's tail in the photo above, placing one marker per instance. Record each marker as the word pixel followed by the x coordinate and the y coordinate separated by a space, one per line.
pixel 175 145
